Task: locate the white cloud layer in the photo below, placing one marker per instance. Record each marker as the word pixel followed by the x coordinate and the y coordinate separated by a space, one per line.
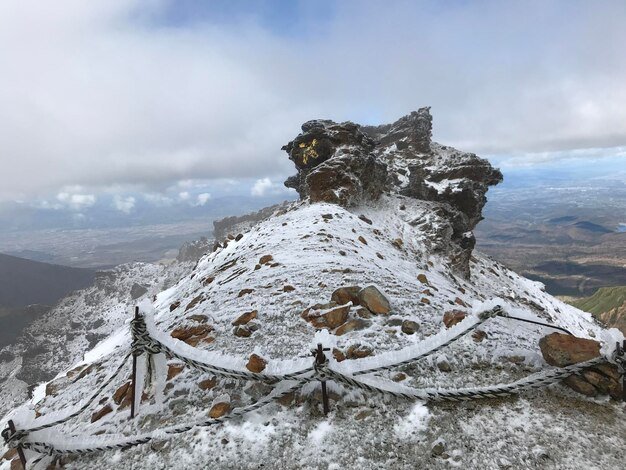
pixel 102 93
pixel 124 204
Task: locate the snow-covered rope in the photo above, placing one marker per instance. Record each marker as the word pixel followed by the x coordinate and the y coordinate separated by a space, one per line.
pixel 122 442
pixel 535 381
pixel 144 342
pixel 12 439
pixel 437 342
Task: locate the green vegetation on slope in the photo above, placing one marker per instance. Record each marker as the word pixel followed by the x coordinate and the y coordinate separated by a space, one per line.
pixel 604 300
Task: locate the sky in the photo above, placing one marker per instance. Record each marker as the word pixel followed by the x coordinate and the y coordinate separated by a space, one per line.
pixel 128 103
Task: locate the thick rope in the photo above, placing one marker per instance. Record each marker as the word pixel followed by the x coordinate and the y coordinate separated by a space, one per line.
pixel 143 342
pixel 483 317
pixel 13 439
pixel 166 433
pixel 535 381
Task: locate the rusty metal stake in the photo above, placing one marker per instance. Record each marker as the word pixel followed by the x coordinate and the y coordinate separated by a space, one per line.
pixel 320 359
pixel 134 377
pixel 20 451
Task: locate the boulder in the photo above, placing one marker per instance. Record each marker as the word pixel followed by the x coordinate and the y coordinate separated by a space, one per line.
pixel 358 351
pixel 219 409
pixel 343 295
pixel 256 364
pixel 372 299
pixel 352 325
pixel 409 327
pixel 560 350
pixel 245 318
pixel 105 410
pixel 452 317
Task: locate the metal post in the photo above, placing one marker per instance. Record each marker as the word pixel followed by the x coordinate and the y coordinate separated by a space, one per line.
pixel 320 359
pixel 134 376
pixel 20 451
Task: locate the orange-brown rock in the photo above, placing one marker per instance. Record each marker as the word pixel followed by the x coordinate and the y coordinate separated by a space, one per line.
pixel 208 280
pixel 191 334
pixel 336 316
pixel 362 240
pixel 338 355
pixel 352 325
pixel 174 305
pixel 195 301
pixel 422 278
pixel 9 454
pixel 245 318
pixel 453 317
pixel 460 302
pixel 256 364
pixel 265 259
pixel 105 410
pixel 559 349
pixel 288 288
pixel 173 370
pixel 343 295
pixel 358 351
pixel 52 388
pixel 208 384
pixel 219 409
pixel 562 350
pixel 243 292
pixel 409 327
pixel 425 300
pixel 399 377
pixel 398 243
pixel 121 393
pixel 242 331
pixel 372 299
pixel 74 372
pixel 479 335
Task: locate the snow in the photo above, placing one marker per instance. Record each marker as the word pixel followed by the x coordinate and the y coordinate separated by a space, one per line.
pixel 393 433
pixel 414 423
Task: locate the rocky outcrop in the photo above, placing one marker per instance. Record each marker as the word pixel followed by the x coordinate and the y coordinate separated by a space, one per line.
pixel 562 350
pixel 193 251
pixel 347 164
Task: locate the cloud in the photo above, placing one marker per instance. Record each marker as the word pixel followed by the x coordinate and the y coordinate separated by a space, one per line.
pixel 76 202
pixel 120 92
pixel 202 199
pixel 124 204
pixel 261 187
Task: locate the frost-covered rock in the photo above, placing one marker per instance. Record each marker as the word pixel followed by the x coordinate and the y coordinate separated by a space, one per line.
pixel 348 164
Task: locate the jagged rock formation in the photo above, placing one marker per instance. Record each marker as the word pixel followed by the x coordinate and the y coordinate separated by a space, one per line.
pixel 193 251
pixel 348 164
pixel 238 224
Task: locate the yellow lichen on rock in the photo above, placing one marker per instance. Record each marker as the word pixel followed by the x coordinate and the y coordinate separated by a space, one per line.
pixel 309 151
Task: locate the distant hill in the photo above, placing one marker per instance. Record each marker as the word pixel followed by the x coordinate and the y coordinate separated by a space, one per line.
pixel 608 305
pixel 24 282
pixel 586 225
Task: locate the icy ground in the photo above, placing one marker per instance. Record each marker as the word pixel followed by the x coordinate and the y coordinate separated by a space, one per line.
pixel 315 253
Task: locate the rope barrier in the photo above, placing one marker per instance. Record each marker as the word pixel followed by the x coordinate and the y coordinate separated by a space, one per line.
pixel 144 343
pixel 535 381
pixel 125 443
pixel 482 317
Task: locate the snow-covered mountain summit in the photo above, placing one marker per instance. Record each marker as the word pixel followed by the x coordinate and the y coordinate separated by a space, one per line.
pixel 370 262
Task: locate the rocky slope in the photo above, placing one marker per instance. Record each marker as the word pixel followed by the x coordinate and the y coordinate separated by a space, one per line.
pixel 383 217
pixel 608 305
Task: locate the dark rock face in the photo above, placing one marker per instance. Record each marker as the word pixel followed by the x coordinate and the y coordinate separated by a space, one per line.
pixel 193 251
pixel 335 164
pixel 348 164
